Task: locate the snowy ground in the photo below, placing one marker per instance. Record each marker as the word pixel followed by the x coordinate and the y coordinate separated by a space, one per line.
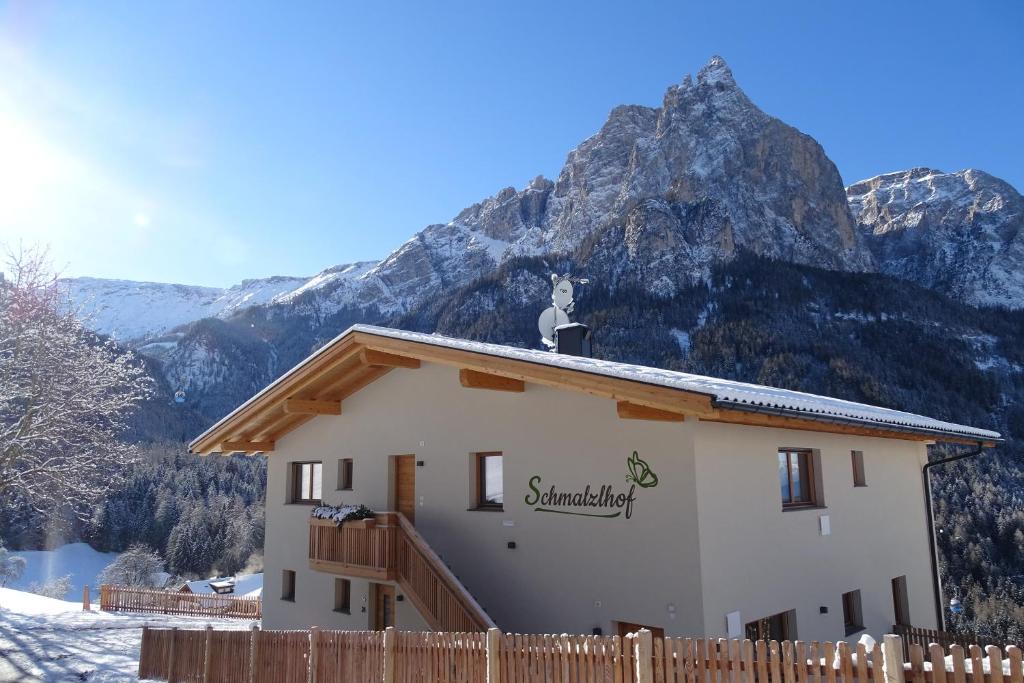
pixel 51 640
pixel 77 559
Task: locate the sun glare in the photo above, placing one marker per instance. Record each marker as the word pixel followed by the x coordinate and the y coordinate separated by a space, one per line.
pixel 28 165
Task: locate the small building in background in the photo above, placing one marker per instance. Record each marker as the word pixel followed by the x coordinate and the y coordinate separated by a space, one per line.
pixel 247 585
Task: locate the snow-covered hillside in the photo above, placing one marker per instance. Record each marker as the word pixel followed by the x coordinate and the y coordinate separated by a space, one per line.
pixel 132 311
pixel 78 560
pixel 42 639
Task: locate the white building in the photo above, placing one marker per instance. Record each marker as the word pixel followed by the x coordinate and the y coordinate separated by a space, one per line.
pixel 552 493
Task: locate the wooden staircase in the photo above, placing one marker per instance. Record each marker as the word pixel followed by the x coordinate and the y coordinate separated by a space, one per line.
pixel 388 548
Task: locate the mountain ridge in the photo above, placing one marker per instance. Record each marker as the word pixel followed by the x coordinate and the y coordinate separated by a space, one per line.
pixel 648 205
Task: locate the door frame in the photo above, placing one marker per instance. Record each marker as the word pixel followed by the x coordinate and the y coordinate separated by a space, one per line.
pixel 377 592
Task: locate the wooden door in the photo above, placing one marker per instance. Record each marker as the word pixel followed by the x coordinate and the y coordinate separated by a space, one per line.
pixel 624 627
pixel 405 486
pixel 384 607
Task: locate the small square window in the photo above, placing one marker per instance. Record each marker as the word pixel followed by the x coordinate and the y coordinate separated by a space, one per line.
pixel 490 481
pixel 345 474
pixel 857 460
pixel 852 619
pixel 288 585
pixel 307 482
pixel 342 596
pixel 797 482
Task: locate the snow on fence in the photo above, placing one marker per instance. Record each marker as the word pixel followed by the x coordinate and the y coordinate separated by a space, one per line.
pixel 121 599
pixel 926 636
pixel 493 657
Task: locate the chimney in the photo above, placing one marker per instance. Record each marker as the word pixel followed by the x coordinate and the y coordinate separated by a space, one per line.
pixel 573 339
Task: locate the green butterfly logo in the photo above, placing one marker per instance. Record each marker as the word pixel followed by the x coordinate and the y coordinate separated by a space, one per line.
pixel 640 472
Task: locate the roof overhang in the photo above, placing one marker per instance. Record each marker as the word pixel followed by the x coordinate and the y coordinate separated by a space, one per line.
pixel 322 382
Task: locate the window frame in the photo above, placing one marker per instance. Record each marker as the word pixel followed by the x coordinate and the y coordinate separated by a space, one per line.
pixel 297 497
pixel 808 478
pixel 479 499
pixel 346 469
pixel 857 462
pixel 288 581
pixel 853 613
pixel 344 604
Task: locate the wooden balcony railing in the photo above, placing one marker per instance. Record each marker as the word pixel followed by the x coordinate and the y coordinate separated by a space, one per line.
pixel 388 548
pixel 365 548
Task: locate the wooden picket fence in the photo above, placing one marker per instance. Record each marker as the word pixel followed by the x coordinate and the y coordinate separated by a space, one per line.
pixel 122 599
pixel 391 656
pixel 915 635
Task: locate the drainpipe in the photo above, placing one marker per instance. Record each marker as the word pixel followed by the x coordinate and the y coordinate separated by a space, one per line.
pixel 936 581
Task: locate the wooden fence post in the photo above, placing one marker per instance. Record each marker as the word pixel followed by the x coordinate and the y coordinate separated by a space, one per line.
pixel 170 655
pixel 493 655
pixel 85 599
pixel 207 655
pixel 644 654
pixel 252 652
pixel 892 657
pixel 142 649
pixel 314 633
pixel 389 654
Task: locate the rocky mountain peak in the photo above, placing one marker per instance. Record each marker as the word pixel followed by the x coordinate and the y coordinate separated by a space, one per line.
pixel 716 72
pixel 959 233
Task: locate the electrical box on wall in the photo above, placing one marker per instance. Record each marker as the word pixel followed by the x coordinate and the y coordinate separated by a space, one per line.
pixel 824 525
pixel 733 626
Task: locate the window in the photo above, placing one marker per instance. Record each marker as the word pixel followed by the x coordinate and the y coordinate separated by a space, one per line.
pixel 345 474
pixel 342 596
pixel 852 619
pixel 489 481
pixel 857 458
pixel 901 601
pixel 288 585
pixel 796 478
pixel 307 482
pixel 780 627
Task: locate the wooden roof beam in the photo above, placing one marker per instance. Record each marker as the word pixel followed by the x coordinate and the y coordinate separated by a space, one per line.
pixel 664 398
pixel 301 406
pixel 632 411
pixel 809 425
pixel 388 360
pixel 472 379
pixel 247 447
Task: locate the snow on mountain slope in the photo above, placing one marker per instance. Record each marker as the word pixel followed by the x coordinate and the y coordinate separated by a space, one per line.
pixel 133 311
pixel 959 233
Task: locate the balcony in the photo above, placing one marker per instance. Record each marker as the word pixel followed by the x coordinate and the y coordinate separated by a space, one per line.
pixel 366 548
pixel 388 548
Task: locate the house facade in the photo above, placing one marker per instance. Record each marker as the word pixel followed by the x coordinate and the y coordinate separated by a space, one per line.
pixel 546 493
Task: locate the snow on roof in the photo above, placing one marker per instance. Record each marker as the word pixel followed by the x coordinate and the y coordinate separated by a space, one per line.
pixel 724 393
pixel 245 585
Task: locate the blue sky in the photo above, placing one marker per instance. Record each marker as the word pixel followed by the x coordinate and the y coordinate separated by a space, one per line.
pixel 204 143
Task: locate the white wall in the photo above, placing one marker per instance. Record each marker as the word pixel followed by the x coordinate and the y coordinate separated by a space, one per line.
pixel 568 573
pixel 572 574
pixel 760 560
